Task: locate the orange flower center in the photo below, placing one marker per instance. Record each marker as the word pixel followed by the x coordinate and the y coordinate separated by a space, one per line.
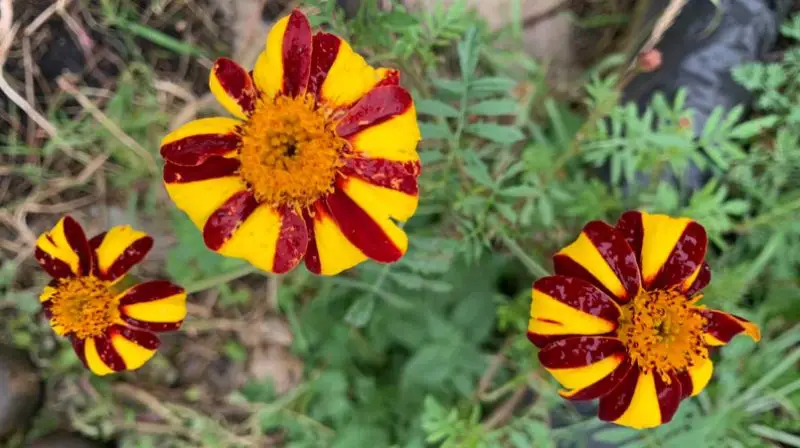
pixel 83 306
pixel 662 333
pixel 290 153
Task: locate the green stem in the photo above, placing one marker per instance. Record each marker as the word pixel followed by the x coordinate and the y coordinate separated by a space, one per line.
pixel 533 266
pixel 221 279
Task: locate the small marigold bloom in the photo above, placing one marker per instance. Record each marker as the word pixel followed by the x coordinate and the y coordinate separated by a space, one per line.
pixel 620 322
pixel 110 330
pixel 318 163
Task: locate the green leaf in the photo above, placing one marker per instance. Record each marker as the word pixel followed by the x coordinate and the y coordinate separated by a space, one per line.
pixel 750 129
pixel 496 132
pixel 477 169
pixel 432 130
pixel 436 108
pixel 494 107
pixel 359 312
pixel 493 85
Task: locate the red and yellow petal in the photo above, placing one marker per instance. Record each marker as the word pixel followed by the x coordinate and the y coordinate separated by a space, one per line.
pixel 153 306
pixel 562 306
pixel 120 348
pixel 580 361
pixel 64 251
pixel 721 327
pixel 340 76
pixel 233 87
pixel 329 250
pixel 196 141
pixel 284 66
pixel 201 190
pixel 641 400
pixel 670 250
pixel 272 240
pixel 383 125
pixel 366 221
pixel 117 251
pixel 602 386
pixel 393 183
pixel 601 256
pixel 696 378
pixel 697 281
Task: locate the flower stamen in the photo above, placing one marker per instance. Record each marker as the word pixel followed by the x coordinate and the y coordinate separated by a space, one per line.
pixel 289 153
pixel 662 332
pixel 83 306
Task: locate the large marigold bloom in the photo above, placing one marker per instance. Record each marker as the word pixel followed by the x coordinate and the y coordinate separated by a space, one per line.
pixel 110 329
pixel 620 322
pixel 318 163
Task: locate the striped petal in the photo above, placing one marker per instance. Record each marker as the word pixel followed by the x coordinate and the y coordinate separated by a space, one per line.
pixel 233 87
pixel 697 281
pixel 285 65
pixel 340 76
pixel 601 387
pixel 564 306
pixel 64 251
pixel 329 250
pixel 722 327
pixel 79 345
pixel 670 250
pixel 383 125
pixel 391 182
pixel 696 378
pixel 153 306
pixel 601 256
pixel 641 400
pixel 101 357
pixel 272 240
pixel 580 361
pixel 366 221
pixel 134 346
pixel 196 141
pixel 200 190
pixel 117 251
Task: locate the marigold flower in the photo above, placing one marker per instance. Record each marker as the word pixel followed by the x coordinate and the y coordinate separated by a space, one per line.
pixel 620 322
pixel 319 161
pixel 111 330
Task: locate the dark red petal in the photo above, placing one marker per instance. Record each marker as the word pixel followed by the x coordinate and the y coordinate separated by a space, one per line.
pixel 158 327
pixel 130 257
pixel 377 106
pixel 79 244
pixel 579 294
pixel 195 149
pixel 617 253
pixel 605 385
pixel 685 257
pixel 391 78
pixel 686 383
pixel 47 306
pixel 225 220
pixel 360 229
pixel 326 48
pixel 292 241
pixel 211 168
pixel 722 326
pixel 53 266
pixel 567 267
pixel 312 261
pixel 631 227
pixel 147 292
pixel 79 345
pixel 669 396
pixel 142 338
pixel 579 351
pixel 542 340
pixel 616 402
pixel 297 49
pixel 400 176
pixel 108 354
pixel 236 82
pixel 702 280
